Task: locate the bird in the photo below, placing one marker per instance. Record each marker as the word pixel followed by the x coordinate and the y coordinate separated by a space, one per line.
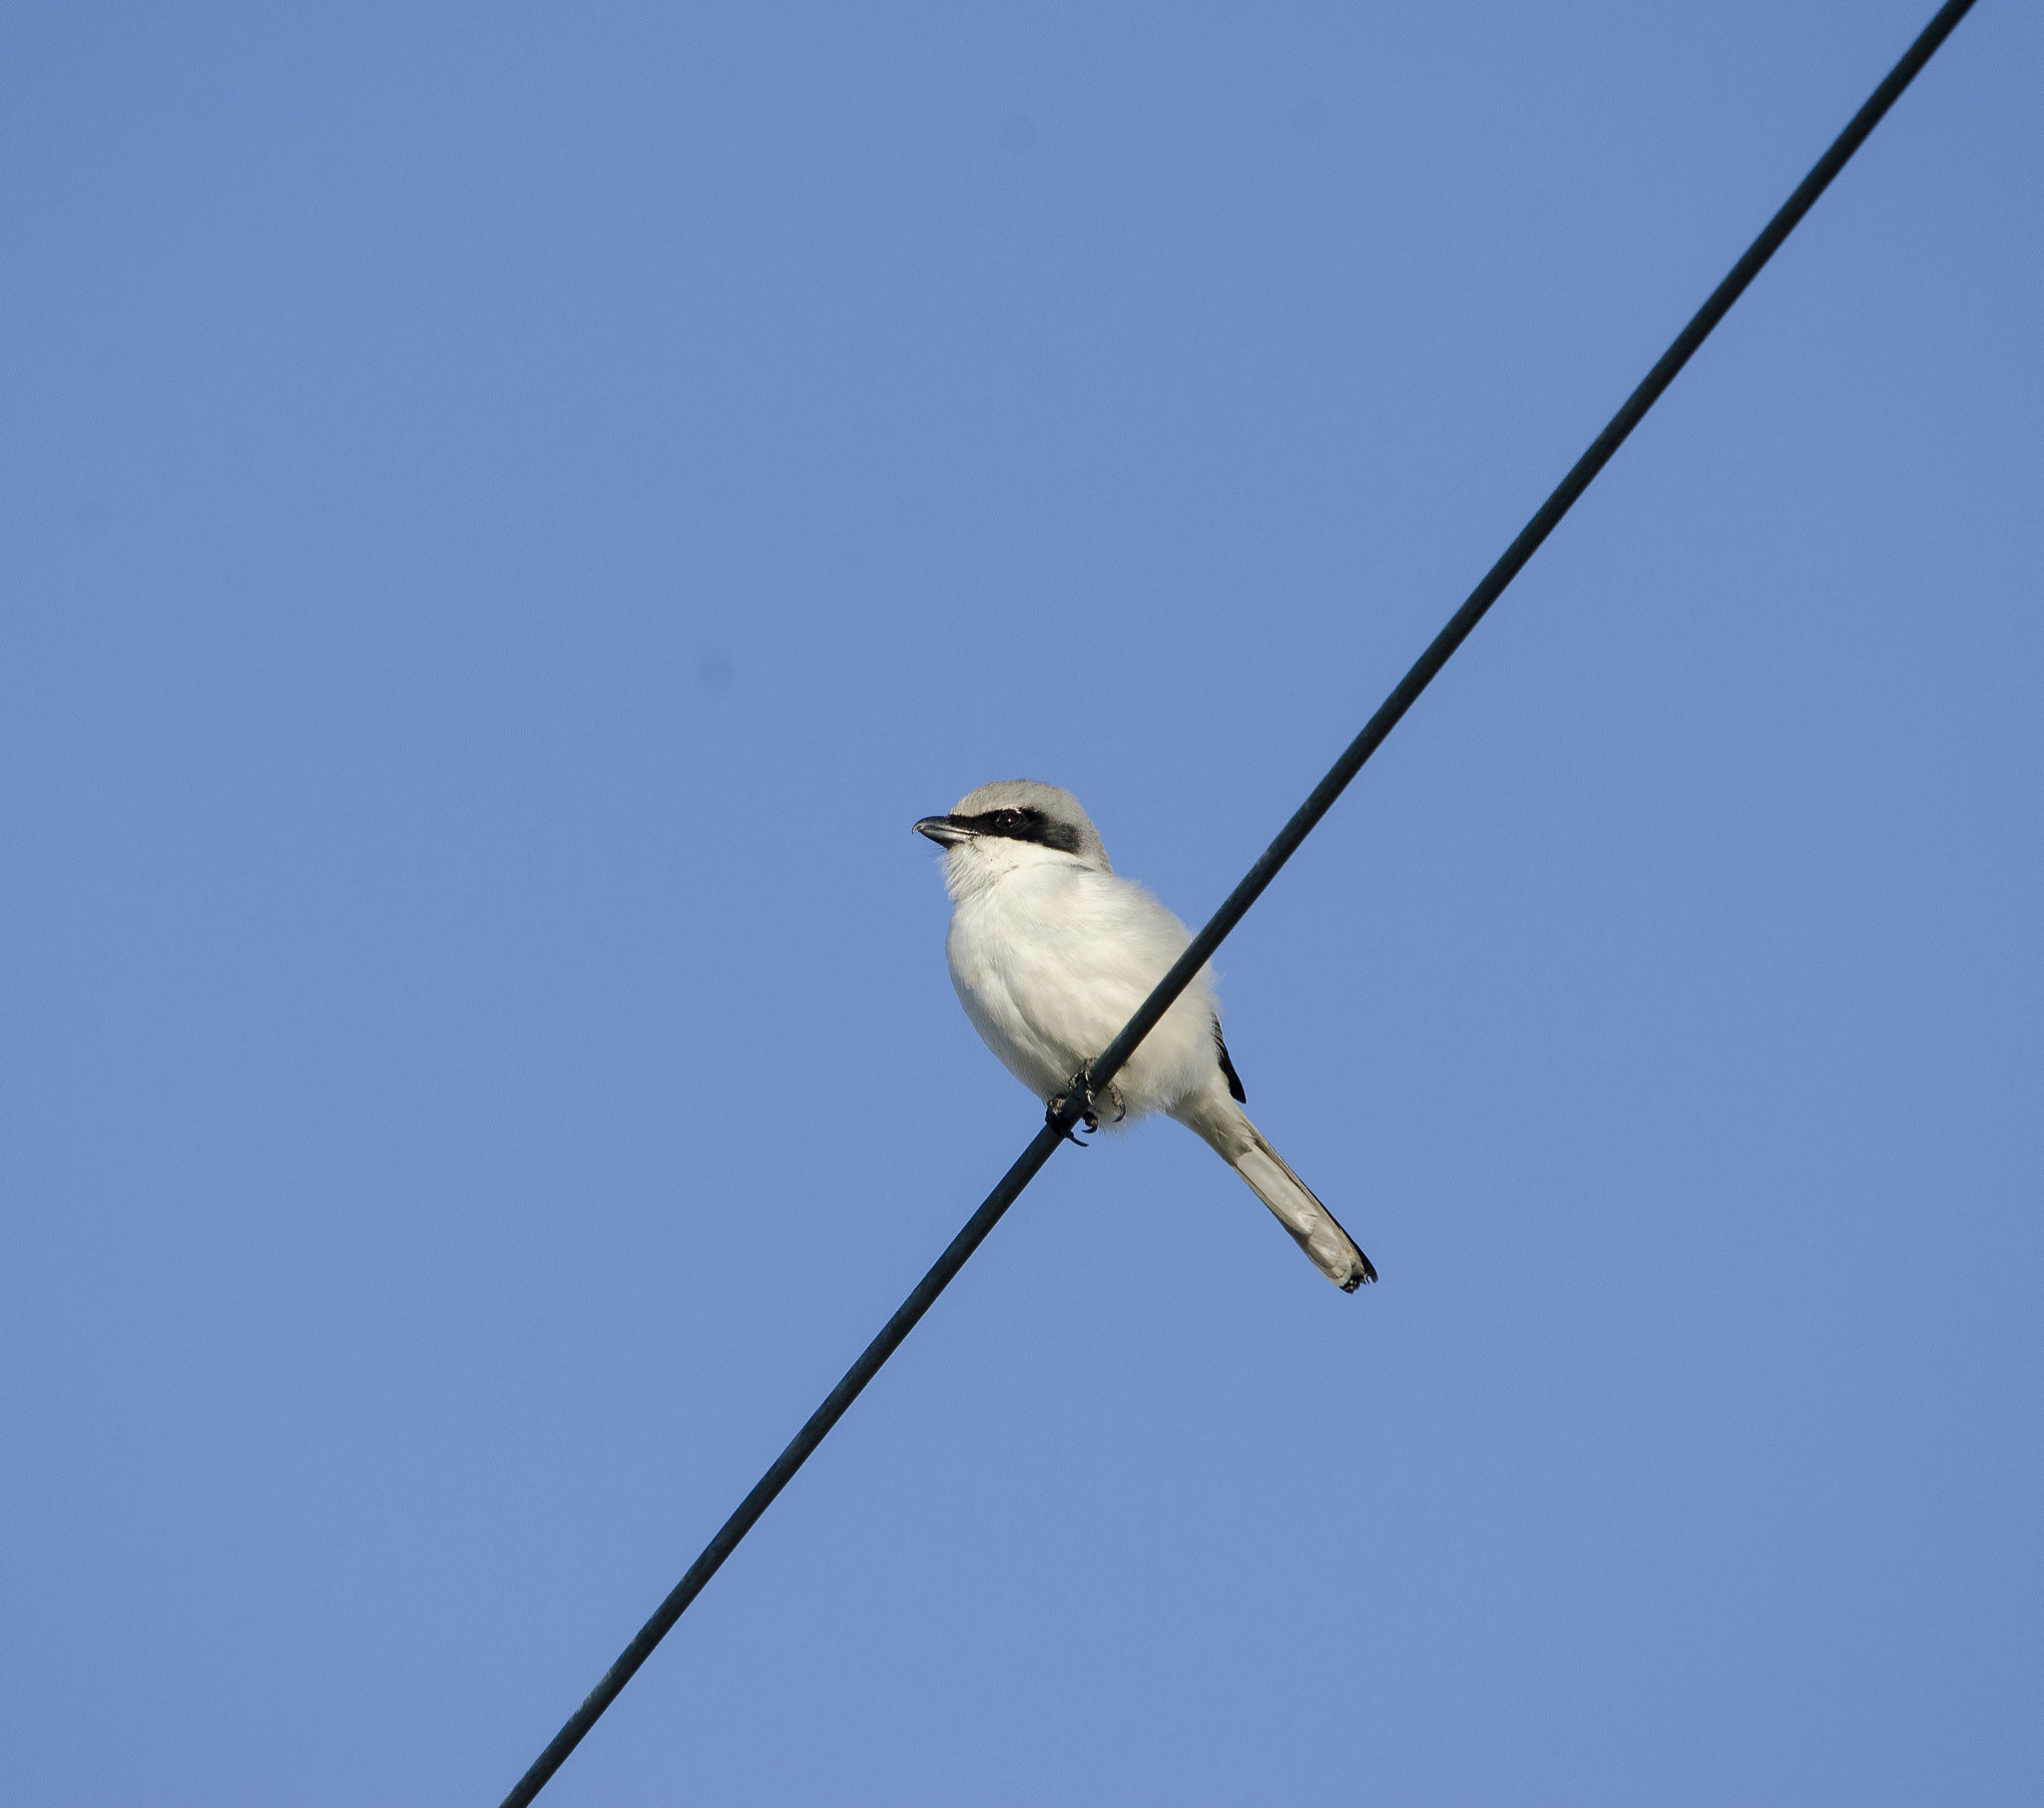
pixel 1052 952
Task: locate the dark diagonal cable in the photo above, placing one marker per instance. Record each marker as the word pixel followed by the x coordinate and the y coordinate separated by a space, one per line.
pixel 1117 1053
pixel 1202 945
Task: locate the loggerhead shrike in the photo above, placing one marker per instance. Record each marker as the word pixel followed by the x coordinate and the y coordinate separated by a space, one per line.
pixel 1052 954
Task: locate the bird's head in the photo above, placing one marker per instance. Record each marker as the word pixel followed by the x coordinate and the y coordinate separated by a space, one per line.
pixel 1014 823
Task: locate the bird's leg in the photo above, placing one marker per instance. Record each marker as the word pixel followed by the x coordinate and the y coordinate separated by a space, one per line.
pixel 1054 1111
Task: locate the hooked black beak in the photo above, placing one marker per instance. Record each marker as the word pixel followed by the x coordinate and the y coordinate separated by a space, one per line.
pixel 945 831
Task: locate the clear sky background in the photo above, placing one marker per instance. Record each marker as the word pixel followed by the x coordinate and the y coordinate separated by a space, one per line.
pixel 508 515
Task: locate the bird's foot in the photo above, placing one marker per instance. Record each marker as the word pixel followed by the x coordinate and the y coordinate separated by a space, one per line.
pixel 1054 1113
pixel 1050 1117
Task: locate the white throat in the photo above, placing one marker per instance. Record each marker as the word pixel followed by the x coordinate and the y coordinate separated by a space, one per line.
pixel 972 867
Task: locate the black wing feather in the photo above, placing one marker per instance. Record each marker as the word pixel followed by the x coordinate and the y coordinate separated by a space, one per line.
pixel 1227 1068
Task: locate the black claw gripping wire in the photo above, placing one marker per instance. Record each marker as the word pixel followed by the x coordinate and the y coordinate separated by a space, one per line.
pixel 1044 1144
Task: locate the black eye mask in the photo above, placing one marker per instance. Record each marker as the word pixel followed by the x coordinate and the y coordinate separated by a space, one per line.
pixel 1023 825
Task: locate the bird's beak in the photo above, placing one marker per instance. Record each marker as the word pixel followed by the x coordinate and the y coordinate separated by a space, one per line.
pixel 945 831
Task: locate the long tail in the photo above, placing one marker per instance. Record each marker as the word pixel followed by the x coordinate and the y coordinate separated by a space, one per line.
pixel 1313 1227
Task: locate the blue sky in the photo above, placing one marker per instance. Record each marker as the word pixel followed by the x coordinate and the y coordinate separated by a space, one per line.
pixel 508 516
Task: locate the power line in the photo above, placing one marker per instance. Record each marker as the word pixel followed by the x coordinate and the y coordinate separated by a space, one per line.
pixel 1111 1060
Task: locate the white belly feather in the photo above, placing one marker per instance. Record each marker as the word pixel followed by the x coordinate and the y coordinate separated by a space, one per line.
pixel 1050 959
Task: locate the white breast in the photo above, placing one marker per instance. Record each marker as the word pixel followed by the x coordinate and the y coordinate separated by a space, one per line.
pixel 1052 958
